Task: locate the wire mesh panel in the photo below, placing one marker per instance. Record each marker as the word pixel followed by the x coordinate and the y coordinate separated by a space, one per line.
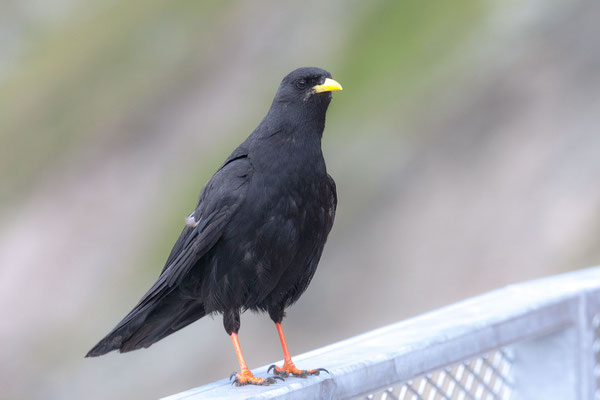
pixel 596 349
pixel 487 377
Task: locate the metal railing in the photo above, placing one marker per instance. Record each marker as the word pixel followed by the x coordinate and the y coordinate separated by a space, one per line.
pixel 534 340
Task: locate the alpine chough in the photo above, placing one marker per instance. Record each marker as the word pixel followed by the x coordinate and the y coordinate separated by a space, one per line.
pixel 257 234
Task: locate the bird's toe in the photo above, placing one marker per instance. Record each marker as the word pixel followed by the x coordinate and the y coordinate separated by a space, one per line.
pixel 290 369
pixel 249 379
pixel 279 372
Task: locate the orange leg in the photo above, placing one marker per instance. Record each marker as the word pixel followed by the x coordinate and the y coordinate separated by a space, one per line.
pixel 245 377
pixel 288 365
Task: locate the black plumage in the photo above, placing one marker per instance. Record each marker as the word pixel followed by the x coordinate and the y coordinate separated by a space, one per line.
pixel 257 234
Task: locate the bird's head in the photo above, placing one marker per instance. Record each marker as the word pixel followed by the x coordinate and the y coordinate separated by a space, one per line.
pixel 308 86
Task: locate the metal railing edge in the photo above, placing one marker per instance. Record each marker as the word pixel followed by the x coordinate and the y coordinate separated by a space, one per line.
pixel 390 354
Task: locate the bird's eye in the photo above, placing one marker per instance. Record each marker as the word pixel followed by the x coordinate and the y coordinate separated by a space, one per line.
pixel 301 84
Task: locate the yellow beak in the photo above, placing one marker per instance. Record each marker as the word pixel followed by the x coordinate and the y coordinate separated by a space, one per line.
pixel 328 86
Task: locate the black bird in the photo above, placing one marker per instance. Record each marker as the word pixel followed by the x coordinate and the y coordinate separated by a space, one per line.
pixel 257 234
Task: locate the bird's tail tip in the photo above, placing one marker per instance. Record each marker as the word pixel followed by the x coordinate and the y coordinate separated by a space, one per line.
pixel 95 353
pixel 106 345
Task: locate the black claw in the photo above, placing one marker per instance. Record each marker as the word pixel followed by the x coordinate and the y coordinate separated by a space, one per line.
pixel 269 381
pixel 236 381
pixel 319 370
pixel 278 377
pixel 232 375
pixel 283 373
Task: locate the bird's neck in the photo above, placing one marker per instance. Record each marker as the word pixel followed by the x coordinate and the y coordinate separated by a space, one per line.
pixel 307 123
pixel 292 141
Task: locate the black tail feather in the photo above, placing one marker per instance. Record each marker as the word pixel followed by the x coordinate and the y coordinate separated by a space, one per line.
pixel 148 323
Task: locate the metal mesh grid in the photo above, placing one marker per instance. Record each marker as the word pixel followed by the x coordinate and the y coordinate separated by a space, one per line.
pixel 487 377
pixel 596 349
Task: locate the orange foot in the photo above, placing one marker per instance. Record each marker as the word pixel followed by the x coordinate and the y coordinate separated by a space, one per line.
pixel 290 368
pixel 246 378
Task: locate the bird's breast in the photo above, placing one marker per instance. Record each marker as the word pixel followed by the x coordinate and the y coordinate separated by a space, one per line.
pixel 281 213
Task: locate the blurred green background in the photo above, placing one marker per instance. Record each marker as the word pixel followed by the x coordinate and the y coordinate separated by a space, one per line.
pixel 464 145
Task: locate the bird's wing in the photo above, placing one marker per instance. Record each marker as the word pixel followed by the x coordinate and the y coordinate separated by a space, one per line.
pixel 219 201
pixel 332 202
pixel 238 160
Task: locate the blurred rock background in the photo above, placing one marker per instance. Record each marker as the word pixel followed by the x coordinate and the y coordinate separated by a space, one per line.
pixel 465 146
